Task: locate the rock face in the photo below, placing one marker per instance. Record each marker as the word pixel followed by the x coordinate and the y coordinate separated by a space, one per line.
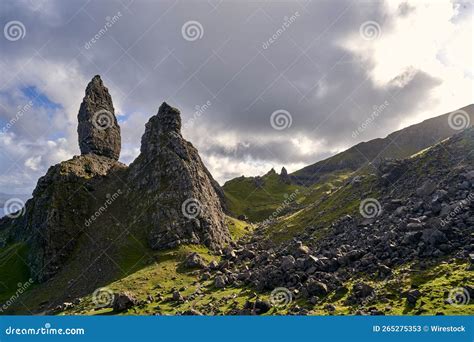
pixel 82 205
pixel 57 214
pixel 186 207
pixel 428 215
pixel 98 130
pixel 284 177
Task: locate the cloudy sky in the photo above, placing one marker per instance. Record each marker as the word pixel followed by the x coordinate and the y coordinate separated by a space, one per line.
pixel 260 84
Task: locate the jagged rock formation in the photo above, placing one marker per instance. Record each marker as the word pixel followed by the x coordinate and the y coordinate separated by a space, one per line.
pixel 83 205
pixel 284 177
pixel 184 206
pixel 98 130
pixel 56 215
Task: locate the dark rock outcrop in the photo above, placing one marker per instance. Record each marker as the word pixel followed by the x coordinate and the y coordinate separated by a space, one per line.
pixel 186 207
pixel 98 130
pixel 88 203
pixel 284 177
pixel 57 214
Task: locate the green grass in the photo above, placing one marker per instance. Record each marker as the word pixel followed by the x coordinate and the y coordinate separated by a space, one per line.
pixel 237 228
pixel 257 203
pixel 13 269
pixel 328 202
pixel 166 275
pixel 434 284
pixel 162 278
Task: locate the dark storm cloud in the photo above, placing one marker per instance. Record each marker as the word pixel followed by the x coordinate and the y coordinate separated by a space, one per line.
pixel 253 59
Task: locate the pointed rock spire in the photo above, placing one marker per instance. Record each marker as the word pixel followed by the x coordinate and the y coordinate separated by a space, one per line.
pixel 186 204
pixel 98 129
pixel 168 119
pixel 284 177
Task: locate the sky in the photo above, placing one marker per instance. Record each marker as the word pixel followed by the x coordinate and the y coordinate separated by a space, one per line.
pixel 259 84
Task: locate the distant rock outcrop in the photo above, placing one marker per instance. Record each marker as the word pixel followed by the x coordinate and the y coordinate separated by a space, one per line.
pixel 98 130
pixel 284 177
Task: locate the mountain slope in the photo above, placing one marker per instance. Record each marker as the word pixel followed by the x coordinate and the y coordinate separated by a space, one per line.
pixel 400 144
pixel 344 259
pixel 259 197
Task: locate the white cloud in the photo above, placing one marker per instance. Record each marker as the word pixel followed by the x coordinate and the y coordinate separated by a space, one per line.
pixel 33 163
pixel 426 39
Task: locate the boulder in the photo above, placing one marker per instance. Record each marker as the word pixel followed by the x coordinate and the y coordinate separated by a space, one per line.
pixel 316 288
pixel 123 301
pixel 194 260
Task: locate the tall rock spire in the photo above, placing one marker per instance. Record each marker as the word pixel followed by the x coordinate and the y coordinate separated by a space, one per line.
pixel 98 129
pixel 284 177
pixel 177 196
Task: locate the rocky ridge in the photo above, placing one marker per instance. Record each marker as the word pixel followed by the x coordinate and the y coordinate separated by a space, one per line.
pixel 168 188
pixel 423 214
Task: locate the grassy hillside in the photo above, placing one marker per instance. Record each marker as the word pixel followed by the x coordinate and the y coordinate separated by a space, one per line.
pixel 245 197
pixel 258 202
pixel 13 269
pixel 128 256
pixel 400 144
